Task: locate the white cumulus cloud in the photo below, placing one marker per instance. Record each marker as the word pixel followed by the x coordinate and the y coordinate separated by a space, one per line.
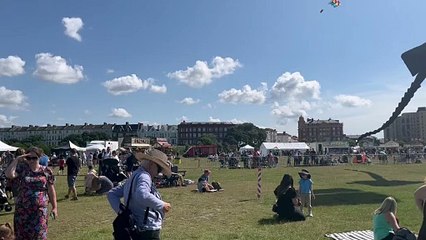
pixel 72 26
pixel 189 101
pixel 126 84
pixel 182 119
pixel 12 98
pixel 236 121
pixel 11 66
pixel 55 69
pixel 212 119
pixel 244 95
pixel 120 113
pixel 132 83
pixel 5 121
pixel 352 101
pixel 294 86
pixel 201 74
pixel 158 89
pixel 290 110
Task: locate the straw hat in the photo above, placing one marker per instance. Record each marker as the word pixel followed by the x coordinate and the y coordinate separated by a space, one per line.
pixel 304 172
pixel 157 157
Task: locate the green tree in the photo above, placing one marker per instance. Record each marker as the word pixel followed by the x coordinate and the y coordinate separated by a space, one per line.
pixel 81 139
pixel 246 133
pixel 208 139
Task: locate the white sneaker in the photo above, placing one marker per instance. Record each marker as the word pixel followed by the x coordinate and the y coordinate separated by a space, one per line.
pixel 310 215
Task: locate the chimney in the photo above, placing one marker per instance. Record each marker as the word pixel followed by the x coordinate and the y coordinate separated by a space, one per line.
pixel 67 124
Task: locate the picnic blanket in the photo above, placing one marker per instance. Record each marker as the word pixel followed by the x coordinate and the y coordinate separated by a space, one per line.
pixel 353 235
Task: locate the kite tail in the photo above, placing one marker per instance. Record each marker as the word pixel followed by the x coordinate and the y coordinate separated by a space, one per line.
pixel 415 85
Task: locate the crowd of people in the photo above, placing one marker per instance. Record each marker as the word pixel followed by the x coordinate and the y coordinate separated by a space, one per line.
pixel 35 190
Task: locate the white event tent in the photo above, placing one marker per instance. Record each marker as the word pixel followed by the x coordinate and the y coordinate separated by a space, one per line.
pixel 268 146
pixel 5 147
pixel 246 148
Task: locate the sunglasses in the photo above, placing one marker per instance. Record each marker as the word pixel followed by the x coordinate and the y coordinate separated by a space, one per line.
pixel 31 158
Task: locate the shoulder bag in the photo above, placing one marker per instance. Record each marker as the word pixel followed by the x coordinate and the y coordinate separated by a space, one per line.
pixel 124 224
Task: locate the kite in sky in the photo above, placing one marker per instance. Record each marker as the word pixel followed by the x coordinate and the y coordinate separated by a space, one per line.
pixel 335 3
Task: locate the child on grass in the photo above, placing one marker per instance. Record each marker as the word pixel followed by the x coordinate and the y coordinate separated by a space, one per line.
pixel 306 191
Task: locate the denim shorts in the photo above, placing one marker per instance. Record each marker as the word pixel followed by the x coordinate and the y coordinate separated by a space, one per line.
pixel 71 181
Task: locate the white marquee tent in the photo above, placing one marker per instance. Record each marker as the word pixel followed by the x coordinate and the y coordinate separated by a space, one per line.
pixel 246 148
pixel 5 147
pixel 268 146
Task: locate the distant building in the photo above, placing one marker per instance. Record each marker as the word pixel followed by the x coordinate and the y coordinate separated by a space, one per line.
pixel 271 135
pixel 285 137
pixel 169 132
pixel 319 130
pixel 409 127
pixel 190 132
pixel 52 134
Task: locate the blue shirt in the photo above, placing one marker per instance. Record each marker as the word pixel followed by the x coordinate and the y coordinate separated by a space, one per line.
pixel 305 186
pixel 144 195
pixel 202 181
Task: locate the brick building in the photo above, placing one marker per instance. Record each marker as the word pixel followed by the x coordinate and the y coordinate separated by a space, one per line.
pixel 409 127
pixel 190 132
pixel 319 130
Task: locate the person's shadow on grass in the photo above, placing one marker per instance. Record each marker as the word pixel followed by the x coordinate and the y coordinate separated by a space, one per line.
pixel 380 181
pixel 271 221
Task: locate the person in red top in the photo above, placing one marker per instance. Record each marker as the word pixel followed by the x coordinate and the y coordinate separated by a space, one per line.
pixel 61 163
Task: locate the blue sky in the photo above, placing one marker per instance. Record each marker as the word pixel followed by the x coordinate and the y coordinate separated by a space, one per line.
pixel 158 62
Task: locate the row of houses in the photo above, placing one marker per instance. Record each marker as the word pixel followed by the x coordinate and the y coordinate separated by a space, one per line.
pixel 409 127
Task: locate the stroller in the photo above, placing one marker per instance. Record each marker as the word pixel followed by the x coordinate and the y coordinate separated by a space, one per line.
pixel 110 168
pixel 4 203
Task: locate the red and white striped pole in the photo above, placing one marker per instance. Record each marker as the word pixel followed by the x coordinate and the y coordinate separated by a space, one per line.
pixel 259 182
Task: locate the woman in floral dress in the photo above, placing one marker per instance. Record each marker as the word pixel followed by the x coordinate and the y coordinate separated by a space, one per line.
pixel 36 190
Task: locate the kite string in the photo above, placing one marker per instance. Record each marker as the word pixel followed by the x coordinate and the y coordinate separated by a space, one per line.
pixel 415 85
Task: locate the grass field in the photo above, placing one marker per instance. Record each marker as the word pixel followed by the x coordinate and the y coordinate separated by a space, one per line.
pixel 346 198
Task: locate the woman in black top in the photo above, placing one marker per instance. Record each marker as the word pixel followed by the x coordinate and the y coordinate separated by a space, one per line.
pixel 287 205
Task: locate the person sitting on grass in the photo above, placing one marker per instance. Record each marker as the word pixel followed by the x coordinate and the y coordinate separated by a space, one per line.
pixel 287 205
pixel 89 178
pixel 101 185
pixel 385 223
pixel 205 186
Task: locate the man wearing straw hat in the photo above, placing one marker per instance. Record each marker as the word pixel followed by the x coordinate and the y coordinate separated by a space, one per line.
pixel 145 201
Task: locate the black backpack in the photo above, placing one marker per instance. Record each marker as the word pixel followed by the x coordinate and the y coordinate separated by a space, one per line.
pixel 404 234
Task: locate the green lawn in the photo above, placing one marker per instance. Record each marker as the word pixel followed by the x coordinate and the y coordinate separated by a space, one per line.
pixel 346 198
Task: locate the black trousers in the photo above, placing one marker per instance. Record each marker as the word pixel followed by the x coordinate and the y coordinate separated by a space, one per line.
pixel 147 235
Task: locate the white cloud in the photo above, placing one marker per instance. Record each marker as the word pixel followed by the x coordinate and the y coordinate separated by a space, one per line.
pixel 236 121
pixel 290 110
pixel 182 119
pixel 12 98
pixel 158 89
pixel 72 26
pixel 126 84
pixel 245 95
pixel 120 113
pixel 5 121
pixel 189 101
pixel 55 69
pixel 110 71
pixel 11 66
pixel 352 101
pixel 294 86
pixel 201 74
pixel 132 83
pixel 212 119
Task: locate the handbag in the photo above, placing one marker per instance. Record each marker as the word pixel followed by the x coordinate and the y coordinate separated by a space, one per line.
pixel 124 224
pixel 404 234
